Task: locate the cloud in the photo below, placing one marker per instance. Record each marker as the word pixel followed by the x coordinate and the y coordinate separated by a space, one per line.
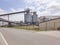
pixel 17 17
pixel 44 7
pixel 39 5
pixel 2 11
pixel 16 10
pixel 52 11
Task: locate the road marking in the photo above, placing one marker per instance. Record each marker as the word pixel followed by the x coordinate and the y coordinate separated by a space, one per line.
pixel 3 39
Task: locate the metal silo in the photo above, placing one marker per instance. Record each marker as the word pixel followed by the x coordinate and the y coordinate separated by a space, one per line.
pixel 34 18
pixel 28 17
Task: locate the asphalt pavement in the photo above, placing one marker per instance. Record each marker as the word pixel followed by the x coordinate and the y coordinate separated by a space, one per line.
pixel 23 37
pixel 2 40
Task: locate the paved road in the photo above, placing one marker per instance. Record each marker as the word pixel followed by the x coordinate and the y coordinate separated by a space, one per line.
pixel 2 40
pixel 51 33
pixel 21 37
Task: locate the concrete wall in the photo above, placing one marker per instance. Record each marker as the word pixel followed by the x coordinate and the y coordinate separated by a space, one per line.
pixel 50 25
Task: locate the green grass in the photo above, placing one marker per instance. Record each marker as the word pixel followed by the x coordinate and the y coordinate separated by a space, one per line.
pixel 31 27
pixel 27 27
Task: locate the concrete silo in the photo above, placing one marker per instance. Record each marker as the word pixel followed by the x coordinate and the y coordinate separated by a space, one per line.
pixel 34 18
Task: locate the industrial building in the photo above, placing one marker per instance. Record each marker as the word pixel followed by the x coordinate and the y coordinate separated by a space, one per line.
pixel 34 18
pixel 31 18
pixel 28 17
pixel 52 24
pixel 3 23
pixel 47 18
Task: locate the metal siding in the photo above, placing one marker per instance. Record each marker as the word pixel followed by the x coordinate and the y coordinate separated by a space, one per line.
pixel 28 18
pixel 35 18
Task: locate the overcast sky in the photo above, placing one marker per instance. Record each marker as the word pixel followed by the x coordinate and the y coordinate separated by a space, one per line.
pixel 43 7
